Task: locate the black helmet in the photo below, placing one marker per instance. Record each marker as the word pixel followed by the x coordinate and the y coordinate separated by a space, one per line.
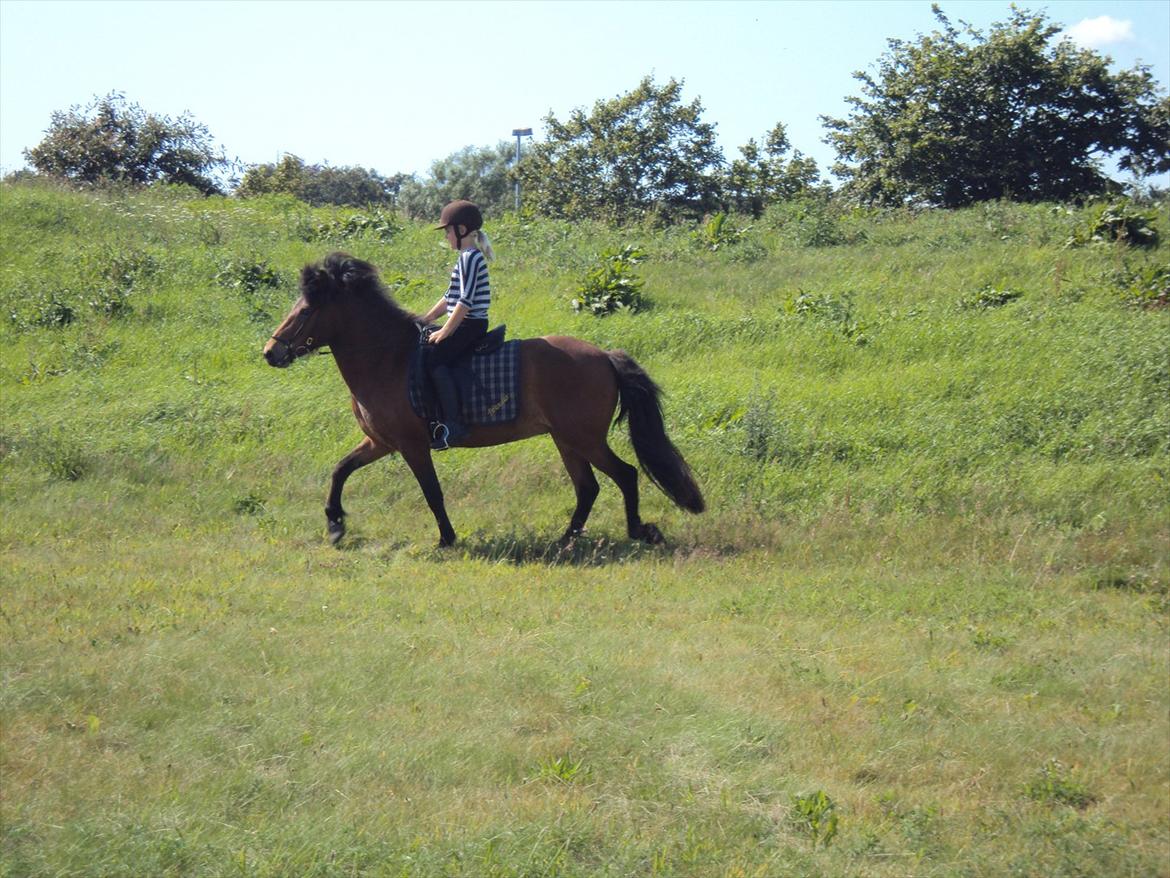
pixel 461 213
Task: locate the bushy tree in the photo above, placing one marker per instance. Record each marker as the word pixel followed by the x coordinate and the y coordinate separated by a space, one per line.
pixel 478 173
pixel 320 184
pixel 763 176
pixel 641 152
pixel 958 117
pixel 113 140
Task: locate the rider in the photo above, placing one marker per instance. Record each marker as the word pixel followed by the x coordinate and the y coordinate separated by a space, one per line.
pixel 466 305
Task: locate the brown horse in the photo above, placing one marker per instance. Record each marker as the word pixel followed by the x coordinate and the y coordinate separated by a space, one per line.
pixel 569 388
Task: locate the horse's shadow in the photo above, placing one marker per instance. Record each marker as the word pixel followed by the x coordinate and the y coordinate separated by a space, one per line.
pixel 521 549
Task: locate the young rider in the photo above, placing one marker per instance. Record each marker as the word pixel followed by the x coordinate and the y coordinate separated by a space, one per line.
pixel 466 306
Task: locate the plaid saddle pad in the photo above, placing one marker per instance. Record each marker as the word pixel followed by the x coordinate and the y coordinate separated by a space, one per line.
pixel 489 386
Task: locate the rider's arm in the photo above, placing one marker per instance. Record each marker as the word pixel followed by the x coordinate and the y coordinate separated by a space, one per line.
pixel 452 323
pixel 435 312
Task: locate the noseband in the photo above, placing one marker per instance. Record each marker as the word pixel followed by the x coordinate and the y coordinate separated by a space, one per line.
pixel 298 349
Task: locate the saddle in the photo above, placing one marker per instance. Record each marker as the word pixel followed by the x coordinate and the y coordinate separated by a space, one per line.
pixel 487 377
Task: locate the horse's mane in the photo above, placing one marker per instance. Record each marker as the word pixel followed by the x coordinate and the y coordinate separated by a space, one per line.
pixel 351 276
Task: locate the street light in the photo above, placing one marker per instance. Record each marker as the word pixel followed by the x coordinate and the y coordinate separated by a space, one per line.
pixel 518 133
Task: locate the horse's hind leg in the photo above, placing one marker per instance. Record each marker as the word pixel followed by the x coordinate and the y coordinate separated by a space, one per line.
pixel 584 483
pixel 626 478
pixel 367 452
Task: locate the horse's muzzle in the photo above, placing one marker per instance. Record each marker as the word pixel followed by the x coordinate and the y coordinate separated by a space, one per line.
pixel 278 354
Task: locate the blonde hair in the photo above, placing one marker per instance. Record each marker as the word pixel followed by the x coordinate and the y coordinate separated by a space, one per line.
pixel 484 245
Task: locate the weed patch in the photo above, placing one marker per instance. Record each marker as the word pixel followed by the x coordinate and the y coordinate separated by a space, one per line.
pixel 718 234
pixel 815 816
pixel 1146 287
pixel 252 280
pixel 378 225
pixel 1119 223
pixel 39 308
pixel 1056 784
pixel 613 285
pixel 987 297
pixel 560 769
pixel 836 312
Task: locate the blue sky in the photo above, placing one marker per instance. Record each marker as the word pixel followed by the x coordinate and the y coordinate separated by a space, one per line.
pixel 395 85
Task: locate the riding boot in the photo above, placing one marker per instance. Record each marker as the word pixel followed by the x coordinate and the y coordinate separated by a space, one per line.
pixel 448 395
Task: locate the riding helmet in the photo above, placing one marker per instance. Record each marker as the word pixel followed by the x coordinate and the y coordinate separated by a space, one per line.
pixel 461 213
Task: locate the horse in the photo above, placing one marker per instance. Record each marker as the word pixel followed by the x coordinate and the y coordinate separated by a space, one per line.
pixel 569 389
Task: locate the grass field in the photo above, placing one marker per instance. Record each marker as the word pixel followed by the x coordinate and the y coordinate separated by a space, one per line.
pixel 922 629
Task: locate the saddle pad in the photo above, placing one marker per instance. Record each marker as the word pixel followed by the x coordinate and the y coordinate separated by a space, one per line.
pixel 489 385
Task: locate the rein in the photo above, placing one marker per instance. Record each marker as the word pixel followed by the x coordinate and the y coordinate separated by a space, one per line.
pixel 301 349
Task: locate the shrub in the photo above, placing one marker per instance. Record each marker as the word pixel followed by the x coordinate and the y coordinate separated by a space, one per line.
pixel 124 269
pixel 833 311
pixel 716 234
pixel 118 274
pixel 1121 223
pixel 45 309
pixel 749 251
pixel 806 222
pixel 1146 287
pixel 612 285
pixel 250 279
pixel 378 224
pixel 247 276
pixel 110 301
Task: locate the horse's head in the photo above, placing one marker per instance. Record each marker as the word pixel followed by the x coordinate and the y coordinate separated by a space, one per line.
pixel 318 314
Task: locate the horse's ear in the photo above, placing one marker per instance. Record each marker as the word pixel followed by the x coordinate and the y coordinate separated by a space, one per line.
pixel 348 271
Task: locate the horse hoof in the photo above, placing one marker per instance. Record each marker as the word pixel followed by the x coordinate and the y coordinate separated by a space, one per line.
pixel 652 535
pixel 336 531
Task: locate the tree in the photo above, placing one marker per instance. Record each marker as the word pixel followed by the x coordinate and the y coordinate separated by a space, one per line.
pixel 112 140
pixel 1013 114
pixel 479 174
pixel 321 184
pixel 761 177
pixel 640 152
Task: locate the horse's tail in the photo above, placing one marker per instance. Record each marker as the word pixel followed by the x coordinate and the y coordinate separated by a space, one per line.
pixel 660 460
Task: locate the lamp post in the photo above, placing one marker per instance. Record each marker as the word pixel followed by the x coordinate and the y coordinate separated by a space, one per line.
pixel 518 133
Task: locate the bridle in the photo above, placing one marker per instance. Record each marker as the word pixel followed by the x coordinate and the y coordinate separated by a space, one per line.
pixel 298 349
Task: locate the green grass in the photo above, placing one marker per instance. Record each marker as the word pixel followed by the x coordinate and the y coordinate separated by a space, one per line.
pixel 922 630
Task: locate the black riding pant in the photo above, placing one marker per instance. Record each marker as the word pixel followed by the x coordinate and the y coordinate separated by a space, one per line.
pixel 466 334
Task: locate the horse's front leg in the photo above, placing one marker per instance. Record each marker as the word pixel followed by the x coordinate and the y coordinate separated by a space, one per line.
pixel 367 452
pixel 418 458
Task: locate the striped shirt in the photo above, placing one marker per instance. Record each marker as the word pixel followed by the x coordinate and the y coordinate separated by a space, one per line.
pixel 469 285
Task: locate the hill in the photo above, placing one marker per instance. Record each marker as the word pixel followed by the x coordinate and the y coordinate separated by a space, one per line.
pixel 920 631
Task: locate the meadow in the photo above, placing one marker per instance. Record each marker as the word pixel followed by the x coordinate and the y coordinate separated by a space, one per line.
pixel 922 629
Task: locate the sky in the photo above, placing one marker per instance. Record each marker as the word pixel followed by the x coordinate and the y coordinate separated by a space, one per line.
pixel 395 86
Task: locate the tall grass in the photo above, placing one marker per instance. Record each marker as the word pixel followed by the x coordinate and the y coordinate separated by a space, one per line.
pixel 921 630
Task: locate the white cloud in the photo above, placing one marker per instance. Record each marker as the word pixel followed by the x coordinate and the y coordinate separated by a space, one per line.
pixel 1094 33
